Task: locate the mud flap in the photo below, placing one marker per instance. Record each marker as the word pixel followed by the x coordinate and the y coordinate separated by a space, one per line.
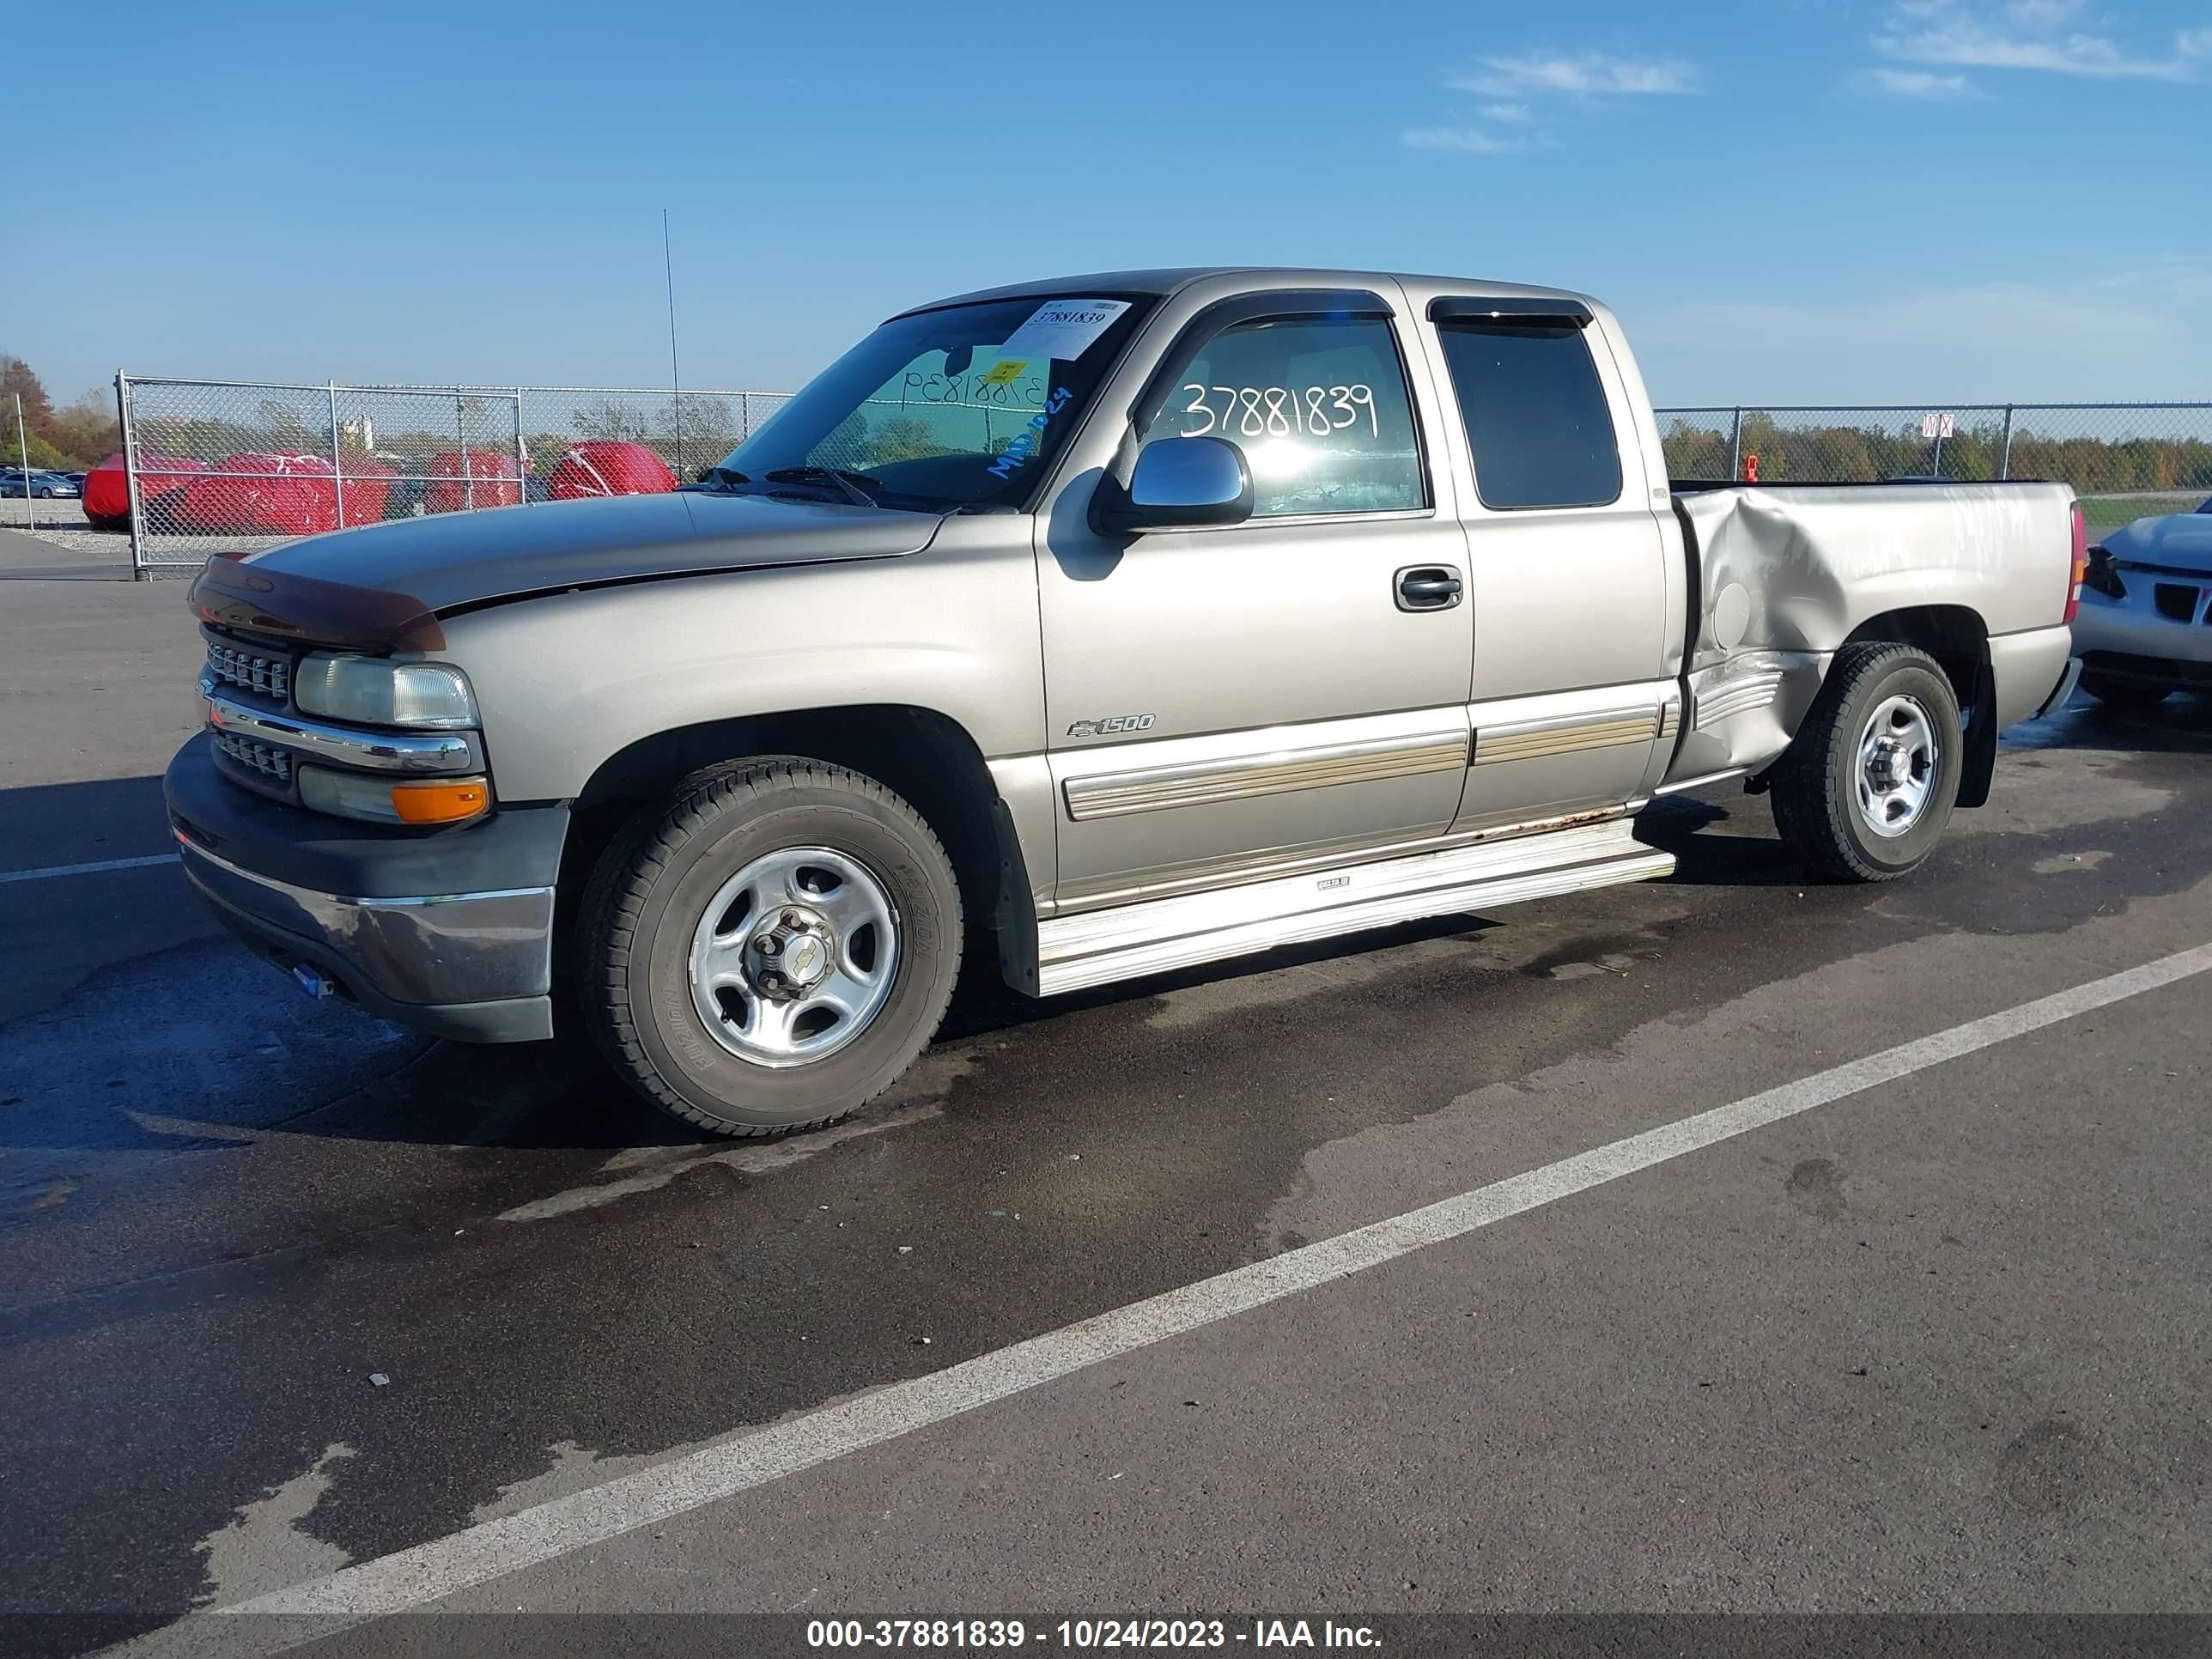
pixel 1981 758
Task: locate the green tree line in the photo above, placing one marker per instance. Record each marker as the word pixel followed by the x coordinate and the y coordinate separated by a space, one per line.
pixel 1867 453
pixel 76 437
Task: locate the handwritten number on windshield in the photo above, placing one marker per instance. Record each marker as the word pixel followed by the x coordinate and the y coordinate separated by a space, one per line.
pixel 1250 411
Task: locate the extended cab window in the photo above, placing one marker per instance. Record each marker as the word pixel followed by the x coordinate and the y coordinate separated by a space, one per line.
pixel 1535 412
pixel 1319 406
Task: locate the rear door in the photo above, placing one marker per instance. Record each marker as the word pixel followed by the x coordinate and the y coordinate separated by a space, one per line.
pixel 1567 566
pixel 1233 703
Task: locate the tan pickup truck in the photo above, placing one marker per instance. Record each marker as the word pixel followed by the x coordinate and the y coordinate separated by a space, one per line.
pixel 1098 627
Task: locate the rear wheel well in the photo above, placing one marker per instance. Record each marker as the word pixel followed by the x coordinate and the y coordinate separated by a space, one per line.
pixel 924 757
pixel 1958 641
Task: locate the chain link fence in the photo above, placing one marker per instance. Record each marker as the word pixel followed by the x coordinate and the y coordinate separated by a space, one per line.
pixel 212 466
pixel 2125 460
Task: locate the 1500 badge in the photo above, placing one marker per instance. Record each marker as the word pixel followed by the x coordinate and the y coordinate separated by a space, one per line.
pixel 1110 725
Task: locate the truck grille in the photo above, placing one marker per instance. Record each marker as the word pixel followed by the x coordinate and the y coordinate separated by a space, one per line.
pixel 270 676
pixel 265 758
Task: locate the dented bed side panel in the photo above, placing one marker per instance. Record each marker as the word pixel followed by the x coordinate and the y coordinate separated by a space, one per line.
pixel 1786 575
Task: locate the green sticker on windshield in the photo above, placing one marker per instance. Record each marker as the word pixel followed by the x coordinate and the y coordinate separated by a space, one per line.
pixel 1005 373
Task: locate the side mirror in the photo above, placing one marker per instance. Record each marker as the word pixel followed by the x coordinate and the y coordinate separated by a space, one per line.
pixel 1179 483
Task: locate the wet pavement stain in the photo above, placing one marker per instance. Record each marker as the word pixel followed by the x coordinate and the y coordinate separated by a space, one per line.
pixel 2046 1467
pixel 1816 1187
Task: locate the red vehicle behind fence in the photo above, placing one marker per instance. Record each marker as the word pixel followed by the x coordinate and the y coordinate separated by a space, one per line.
pixel 606 466
pixel 274 493
pixel 161 481
pixel 481 478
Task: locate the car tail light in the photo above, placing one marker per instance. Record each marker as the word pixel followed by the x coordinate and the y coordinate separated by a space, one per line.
pixel 2080 567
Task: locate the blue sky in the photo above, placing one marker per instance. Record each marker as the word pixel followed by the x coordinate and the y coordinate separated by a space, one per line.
pixel 1900 199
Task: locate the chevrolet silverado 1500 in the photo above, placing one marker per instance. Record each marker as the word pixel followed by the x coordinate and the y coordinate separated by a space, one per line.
pixel 1113 625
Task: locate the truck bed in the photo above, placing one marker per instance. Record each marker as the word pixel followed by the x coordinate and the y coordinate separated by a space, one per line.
pixel 1781 575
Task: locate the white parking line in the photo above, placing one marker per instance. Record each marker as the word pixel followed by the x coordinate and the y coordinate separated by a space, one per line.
pixel 53 869
pixel 411 1578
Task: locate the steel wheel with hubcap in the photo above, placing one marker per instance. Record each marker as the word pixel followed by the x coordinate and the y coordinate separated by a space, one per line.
pixel 1866 785
pixel 771 948
pixel 1899 759
pixel 794 956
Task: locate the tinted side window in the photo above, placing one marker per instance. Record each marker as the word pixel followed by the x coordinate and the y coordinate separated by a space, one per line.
pixel 1535 414
pixel 1318 405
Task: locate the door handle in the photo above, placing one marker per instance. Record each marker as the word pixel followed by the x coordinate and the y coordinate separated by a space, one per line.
pixel 1428 587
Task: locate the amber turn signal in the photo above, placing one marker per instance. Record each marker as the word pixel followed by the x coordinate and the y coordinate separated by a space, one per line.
pixel 442 802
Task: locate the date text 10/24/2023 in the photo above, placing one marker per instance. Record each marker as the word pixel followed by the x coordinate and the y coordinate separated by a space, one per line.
pixel 1089 1634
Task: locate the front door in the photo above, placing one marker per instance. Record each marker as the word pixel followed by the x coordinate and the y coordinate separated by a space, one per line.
pixel 1227 704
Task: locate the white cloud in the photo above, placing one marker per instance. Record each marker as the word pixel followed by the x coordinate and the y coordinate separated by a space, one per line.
pixel 1589 74
pixel 1522 91
pixel 1471 141
pixel 2043 14
pixel 1919 83
pixel 2027 35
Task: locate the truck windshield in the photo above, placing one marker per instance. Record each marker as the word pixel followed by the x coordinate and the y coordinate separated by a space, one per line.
pixel 960 407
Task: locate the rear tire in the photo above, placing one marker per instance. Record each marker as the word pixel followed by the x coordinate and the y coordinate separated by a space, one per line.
pixel 1864 790
pixel 2125 696
pixel 771 948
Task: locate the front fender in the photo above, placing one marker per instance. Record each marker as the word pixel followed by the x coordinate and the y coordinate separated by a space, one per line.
pixel 566 681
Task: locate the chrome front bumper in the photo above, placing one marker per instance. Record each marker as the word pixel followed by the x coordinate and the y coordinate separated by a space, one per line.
pixel 369 910
pixel 2132 639
pixel 473 966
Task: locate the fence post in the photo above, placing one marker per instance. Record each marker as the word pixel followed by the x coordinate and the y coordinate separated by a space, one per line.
pixel 23 449
pixel 130 475
pixel 1736 444
pixel 338 457
pixel 2004 455
pixel 468 473
pixel 521 456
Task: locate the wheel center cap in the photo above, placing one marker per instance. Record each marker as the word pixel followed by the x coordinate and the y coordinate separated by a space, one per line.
pixel 791 955
pixel 1891 766
pixel 804 959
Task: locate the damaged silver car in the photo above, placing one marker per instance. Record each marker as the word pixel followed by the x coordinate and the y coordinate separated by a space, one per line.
pixel 2145 627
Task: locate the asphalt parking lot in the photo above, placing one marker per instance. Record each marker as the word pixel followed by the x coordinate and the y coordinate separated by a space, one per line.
pixel 304 1315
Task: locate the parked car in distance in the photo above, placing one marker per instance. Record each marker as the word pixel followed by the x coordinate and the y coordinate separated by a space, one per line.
pixel 44 485
pixel 1137 620
pixel 2145 629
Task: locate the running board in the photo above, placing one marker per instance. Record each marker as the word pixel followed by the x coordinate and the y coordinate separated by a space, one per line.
pixel 1155 935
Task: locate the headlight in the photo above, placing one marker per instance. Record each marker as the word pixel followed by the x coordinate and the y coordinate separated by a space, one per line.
pixel 419 801
pixel 2103 574
pixel 381 693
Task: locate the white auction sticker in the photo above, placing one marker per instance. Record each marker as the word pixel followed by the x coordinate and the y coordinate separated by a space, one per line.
pixel 1063 328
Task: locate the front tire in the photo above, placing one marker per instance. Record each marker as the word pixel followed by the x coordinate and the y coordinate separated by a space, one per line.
pixel 1867 785
pixel 2124 696
pixel 771 948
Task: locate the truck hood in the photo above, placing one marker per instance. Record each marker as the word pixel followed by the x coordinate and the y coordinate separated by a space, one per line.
pixel 2180 541
pixel 384 586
